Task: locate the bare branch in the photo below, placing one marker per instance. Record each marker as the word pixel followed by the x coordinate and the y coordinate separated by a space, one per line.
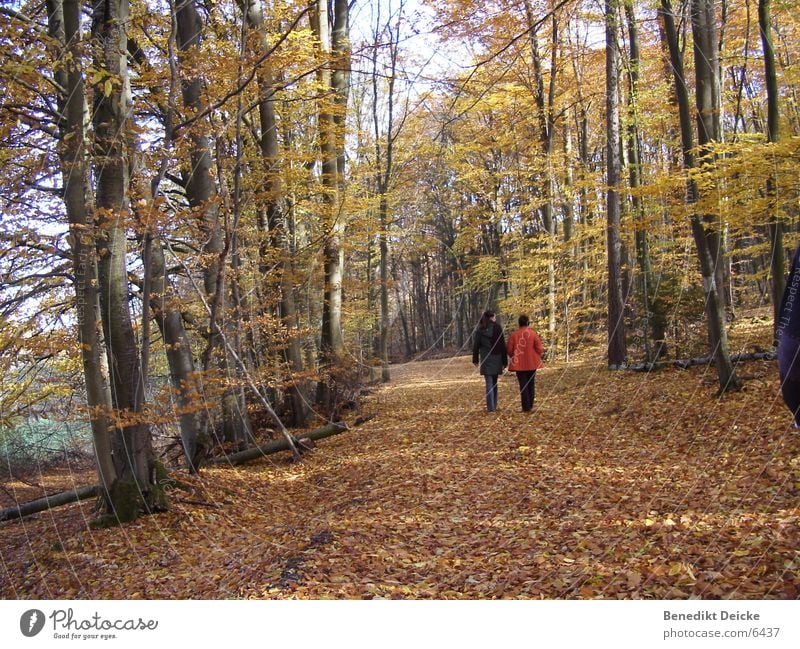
pixel 23 18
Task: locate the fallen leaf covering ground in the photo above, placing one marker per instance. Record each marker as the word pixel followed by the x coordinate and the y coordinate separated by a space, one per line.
pixel 618 485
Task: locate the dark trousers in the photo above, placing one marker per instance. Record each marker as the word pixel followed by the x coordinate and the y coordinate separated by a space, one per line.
pixel 491 392
pixel 527 388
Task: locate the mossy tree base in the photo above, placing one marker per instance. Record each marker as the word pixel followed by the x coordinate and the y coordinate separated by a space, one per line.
pixel 127 501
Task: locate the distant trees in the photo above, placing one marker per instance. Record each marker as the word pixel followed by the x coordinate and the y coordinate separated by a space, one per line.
pixel 647 211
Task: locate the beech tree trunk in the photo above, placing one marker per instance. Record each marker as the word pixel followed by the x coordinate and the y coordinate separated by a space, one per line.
pixel 202 194
pixel 135 491
pixel 384 158
pixel 279 445
pixel 706 60
pixel 64 26
pixel 332 342
pixel 334 74
pixel 182 370
pixel 617 346
pixel 276 210
pixel 778 256
pixel 164 307
pixel 635 180
pixel 715 309
pixel 200 188
pixel 48 502
pixel 544 103
pixel 164 303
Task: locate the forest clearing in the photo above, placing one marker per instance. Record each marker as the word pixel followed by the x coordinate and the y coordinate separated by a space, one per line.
pixel 618 485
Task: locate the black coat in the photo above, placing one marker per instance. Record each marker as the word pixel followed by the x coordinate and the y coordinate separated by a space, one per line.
pixel 489 350
pixel 788 326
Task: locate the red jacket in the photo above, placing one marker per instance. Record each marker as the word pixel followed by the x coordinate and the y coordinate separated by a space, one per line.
pixel 525 350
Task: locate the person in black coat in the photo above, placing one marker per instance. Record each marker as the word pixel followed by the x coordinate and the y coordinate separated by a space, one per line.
pixel 489 354
pixel 788 334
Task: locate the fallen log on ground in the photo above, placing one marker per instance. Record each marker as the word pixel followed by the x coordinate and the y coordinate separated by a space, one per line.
pixel 736 358
pixel 278 445
pixel 686 363
pixel 72 496
pixel 56 500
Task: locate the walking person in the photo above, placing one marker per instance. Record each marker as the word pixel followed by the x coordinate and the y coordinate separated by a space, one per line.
pixel 489 354
pixel 525 352
pixel 788 334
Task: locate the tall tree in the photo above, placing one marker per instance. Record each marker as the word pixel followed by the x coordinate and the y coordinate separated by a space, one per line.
pixel 777 257
pixel 384 160
pixel 617 346
pixel 704 236
pixel 135 490
pixel 275 203
pixel 333 36
pixel 163 303
pixel 544 100
pixel 64 26
pixel 635 171
pixel 160 297
pixel 202 194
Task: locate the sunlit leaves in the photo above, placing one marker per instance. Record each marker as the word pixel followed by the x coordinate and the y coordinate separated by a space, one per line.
pixel 618 486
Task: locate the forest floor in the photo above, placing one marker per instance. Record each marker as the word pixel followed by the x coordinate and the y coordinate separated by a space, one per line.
pixel 617 485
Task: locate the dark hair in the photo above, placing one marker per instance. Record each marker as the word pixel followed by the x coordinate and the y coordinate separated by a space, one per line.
pixel 486 319
pixel 523 321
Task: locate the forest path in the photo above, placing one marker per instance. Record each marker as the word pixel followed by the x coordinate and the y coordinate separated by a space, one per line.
pixel 616 485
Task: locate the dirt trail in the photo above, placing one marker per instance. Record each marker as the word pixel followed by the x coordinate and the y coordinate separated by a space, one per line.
pixel 617 485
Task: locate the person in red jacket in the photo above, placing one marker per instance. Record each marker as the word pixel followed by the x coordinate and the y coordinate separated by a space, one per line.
pixel 525 351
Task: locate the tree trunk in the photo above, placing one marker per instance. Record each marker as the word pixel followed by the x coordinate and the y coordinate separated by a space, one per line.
pixel 778 261
pixel 544 104
pixel 280 445
pixel 569 191
pixel 332 75
pixel 715 311
pixel 276 210
pixel 161 297
pixel 383 164
pixel 202 194
pixel 635 179
pixel 401 309
pixel 163 304
pixel 707 100
pixel 182 371
pixel 384 275
pixel 65 28
pixel 48 502
pixel 617 347
pixel 200 188
pixel 135 491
